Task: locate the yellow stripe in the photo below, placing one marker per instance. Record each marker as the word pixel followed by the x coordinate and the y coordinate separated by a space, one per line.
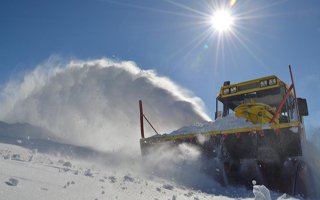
pixel 247 91
pixel 278 84
pixel 230 131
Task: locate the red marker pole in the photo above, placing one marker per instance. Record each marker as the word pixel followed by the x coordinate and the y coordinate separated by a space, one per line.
pixel 294 93
pixel 141 119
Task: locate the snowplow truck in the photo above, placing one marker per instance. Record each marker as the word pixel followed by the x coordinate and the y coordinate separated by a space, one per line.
pixel 268 152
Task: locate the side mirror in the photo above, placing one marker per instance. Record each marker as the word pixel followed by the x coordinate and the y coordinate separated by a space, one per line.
pixel 303 107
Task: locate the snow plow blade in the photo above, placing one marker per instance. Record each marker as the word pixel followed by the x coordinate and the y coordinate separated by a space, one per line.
pixel 275 143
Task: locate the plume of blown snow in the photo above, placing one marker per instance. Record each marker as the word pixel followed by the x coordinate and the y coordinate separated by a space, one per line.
pixel 94 103
pixel 182 164
pixel 311 154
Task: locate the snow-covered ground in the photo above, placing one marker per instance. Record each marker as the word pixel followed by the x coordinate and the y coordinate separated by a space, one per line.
pixel 28 174
pixel 43 176
pixel 36 166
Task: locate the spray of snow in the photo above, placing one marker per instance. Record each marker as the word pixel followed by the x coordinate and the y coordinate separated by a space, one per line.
pixel 95 103
pixel 311 151
pixel 182 165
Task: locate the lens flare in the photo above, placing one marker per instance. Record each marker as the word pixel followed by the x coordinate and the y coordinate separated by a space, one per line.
pixel 232 2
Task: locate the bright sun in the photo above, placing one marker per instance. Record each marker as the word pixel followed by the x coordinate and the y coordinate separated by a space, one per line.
pixel 222 20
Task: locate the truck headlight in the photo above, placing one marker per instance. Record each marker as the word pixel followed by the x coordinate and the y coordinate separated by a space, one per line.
pixel 233 90
pixel 264 83
pixel 226 91
pixel 272 81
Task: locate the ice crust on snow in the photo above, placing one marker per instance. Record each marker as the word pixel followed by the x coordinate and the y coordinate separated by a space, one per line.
pixel 221 124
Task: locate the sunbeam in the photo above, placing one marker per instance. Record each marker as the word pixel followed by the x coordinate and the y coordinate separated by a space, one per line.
pixel 228 25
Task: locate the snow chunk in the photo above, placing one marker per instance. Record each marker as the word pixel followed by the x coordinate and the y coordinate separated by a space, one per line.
pixel 128 178
pixel 61 161
pixel 168 187
pixel 261 192
pixel 286 197
pixel 16 157
pixel 12 182
pixel 112 179
pixel 189 194
pixel 67 164
pixel 88 173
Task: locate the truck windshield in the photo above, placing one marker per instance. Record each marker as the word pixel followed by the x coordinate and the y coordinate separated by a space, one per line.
pixel 271 97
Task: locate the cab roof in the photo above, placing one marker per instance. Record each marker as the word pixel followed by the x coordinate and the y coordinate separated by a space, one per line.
pixel 268 90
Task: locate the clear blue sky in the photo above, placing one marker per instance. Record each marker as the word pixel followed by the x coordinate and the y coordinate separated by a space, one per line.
pixel 168 36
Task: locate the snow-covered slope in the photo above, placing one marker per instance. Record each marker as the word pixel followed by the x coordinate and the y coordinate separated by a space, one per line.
pixel 34 166
pixel 28 174
pixel 43 176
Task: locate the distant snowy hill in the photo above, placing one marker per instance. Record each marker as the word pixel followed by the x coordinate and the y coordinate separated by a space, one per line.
pixel 23 131
pixel 32 137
